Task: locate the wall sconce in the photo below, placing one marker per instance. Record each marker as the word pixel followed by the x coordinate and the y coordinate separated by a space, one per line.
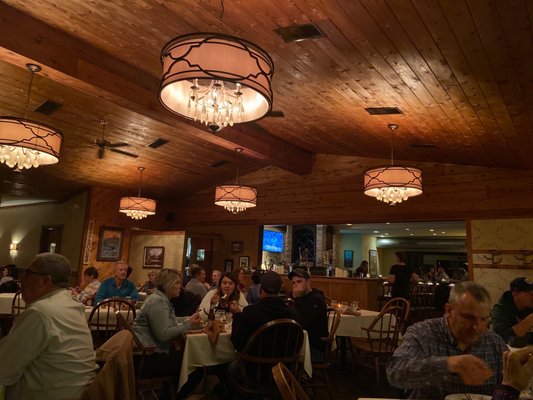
pixel 13 246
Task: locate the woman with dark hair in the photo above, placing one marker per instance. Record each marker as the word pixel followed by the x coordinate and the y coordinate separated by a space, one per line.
pixel 401 276
pixel 239 274
pixel 155 326
pixel 8 282
pixel 92 284
pixel 222 297
pixel 362 271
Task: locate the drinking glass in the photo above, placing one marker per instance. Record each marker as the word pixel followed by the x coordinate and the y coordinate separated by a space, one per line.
pixel 355 305
pixel 220 316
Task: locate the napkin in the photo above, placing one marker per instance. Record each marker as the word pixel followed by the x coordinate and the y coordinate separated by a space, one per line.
pixel 213 330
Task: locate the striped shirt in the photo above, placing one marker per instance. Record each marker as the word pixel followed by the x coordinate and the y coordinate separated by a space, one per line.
pixel 420 362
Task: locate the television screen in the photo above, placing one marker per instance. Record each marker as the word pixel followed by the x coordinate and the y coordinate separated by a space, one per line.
pixel 273 241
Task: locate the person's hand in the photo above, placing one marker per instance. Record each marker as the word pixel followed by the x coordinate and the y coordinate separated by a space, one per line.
pixel 471 369
pixel 518 368
pixel 195 318
pixel 215 299
pixel 207 285
pixel 234 307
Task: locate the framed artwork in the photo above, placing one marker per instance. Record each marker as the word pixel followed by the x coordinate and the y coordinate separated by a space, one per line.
pixel 228 265
pixel 154 256
pixel 110 244
pixel 373 262
pixel 236 247
pixel 88 243
pixel 348 258
pixel 244 262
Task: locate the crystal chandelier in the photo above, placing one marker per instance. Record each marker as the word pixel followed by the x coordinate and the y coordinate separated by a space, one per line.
pixel 216 79
pixel 137 207
pixel 393 184
pixel 236 198
pixel 25 143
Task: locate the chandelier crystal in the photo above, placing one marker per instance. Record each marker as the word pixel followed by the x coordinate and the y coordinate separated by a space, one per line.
pixel 236 198
pixel 393 184
pixel 216 79
pixel 25 143
pixel 137 207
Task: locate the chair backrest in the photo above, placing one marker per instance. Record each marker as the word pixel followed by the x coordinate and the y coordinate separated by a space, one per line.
pixel 334 319
pixel 384 332
pixel 18 305
pixel 102 320
pixel 288 385
pixel 401 312
pixel 276 341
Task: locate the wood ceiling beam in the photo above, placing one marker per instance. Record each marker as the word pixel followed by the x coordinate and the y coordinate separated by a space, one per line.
pixel 83 67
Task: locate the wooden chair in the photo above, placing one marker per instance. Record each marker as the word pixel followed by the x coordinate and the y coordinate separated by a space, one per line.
pixel 287 384
pixel 18 305
pixel 145 385
pixel 277 341
pixel 383 333
pixel 102 321
pixel 320 370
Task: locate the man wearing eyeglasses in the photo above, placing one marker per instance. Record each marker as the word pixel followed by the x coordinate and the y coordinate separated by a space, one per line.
pixel 48 354
pixel 453 354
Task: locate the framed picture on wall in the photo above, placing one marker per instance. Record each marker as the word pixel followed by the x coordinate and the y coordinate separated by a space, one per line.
pixel 244 262
pixel 373 262
pixel 348 258
pixel 236 247
pixel 110 244
pixel 154 256
pixel 228 264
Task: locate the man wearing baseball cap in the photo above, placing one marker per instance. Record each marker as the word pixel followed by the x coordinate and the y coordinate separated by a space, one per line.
pixel 512 316
pixel 312 308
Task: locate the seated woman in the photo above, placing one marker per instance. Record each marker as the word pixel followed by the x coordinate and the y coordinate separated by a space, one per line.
pixel 92 284
pixel 221 297
pixel 149 285
pixel 362 271
pixel 8 282
pixel 155 326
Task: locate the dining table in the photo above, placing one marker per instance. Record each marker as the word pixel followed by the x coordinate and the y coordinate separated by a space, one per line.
pixel 200 352
pixel 6 301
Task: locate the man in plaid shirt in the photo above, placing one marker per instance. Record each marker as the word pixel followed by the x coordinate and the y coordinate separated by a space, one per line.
pixel 453 354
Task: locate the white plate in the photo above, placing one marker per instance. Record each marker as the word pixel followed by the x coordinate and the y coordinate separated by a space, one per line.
pixel 462 396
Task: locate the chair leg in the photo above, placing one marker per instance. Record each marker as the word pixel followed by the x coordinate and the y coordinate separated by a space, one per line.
pixel 378 370
pixel 328 385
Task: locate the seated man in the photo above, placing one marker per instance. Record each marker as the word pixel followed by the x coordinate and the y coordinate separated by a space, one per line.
pixel 118 285
pixel 48 354
pixel 313 311
pixel 196 284
pixel 215 277
pixel 453 354
pixel 512 316
pixel 268 308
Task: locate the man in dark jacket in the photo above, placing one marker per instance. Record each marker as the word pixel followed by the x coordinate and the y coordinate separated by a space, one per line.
pixel 313 311
pixel 512 316
pixel 268 308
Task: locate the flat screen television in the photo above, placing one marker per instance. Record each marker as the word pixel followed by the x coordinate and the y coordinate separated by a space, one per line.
pixel 273 241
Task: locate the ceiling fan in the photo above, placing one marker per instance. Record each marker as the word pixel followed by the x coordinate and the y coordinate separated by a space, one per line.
pixel 104 145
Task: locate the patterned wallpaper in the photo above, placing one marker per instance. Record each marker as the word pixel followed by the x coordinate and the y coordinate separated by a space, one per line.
pixel 501 234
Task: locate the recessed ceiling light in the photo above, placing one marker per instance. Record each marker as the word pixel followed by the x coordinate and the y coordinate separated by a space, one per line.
pixel 443 233
pixel 388 223
pixel 432 230
pixel 434 234
pixel 348 224
pixel 376 231
pixel 386 234
pixel 407 229
pixel 411 234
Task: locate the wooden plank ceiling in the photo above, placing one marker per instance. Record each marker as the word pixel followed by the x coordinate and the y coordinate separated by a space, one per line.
pixel 461 72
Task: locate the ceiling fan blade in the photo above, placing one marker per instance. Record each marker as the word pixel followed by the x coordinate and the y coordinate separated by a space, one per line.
pixel 121 144
pixel 275 114
pixel 100 153
pixel 124 152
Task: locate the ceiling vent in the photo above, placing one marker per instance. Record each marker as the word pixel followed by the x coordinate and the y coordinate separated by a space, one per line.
pixel 158 143
pixel 383 110
pixel 219 164
pixel 48 107
pixel 297 33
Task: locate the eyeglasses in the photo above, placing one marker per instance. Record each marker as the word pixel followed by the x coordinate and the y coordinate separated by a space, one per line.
pixel 28 271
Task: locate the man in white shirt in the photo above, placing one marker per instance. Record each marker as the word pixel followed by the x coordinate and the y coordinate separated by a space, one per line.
pixel 48 354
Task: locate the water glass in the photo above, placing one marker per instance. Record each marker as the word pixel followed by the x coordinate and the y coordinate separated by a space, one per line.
pixel 220 316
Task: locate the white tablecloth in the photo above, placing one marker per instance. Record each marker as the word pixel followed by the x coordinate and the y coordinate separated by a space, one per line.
pixel 351 325
pixel 200 352
pixel 6 300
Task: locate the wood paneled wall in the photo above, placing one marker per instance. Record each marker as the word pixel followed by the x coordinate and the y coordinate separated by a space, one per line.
pixel 333 193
